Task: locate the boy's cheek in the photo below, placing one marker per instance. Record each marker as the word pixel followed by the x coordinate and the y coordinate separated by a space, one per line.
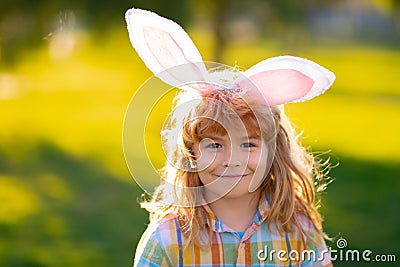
pixel 205 161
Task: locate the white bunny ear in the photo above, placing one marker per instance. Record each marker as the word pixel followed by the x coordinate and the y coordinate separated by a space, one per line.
pixel 289 79
pixel 165 48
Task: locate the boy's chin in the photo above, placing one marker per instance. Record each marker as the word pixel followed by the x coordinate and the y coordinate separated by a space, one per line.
pixel 238 191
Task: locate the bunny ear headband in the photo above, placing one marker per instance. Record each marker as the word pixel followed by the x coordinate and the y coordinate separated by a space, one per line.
pixel 164 46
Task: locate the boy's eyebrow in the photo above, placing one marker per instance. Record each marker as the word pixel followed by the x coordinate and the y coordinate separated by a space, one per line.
pixel 213 137
pixel 219 137
pixel 250 137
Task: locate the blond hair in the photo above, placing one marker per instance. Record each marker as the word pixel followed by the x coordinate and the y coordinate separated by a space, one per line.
pixel 289 184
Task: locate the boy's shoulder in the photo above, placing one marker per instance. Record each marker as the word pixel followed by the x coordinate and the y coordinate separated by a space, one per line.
pixel 306 222
pixel 157 244
pixel 163 230
pixel 162 236
pixel 313 236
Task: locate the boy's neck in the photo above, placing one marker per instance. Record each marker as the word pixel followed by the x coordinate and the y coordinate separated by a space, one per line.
pixel 237 213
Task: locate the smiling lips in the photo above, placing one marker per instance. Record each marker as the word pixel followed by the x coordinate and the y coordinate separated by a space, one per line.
pixel 238 176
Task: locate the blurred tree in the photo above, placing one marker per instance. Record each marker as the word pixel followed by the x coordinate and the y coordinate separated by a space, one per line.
pixel 267 16
pixel 396 13
pixel 25 24
pixel 390 8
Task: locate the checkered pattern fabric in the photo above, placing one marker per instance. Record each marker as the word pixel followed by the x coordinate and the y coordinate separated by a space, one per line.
pixel 163 244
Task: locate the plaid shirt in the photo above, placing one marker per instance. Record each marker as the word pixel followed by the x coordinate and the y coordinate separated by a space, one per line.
pixel 163 244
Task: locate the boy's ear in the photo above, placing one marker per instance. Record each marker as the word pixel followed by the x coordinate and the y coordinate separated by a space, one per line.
pixel 165 48
pixel 288 79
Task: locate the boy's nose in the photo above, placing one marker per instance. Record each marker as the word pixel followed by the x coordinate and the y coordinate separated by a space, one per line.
pixel 234 159
pixel 231 163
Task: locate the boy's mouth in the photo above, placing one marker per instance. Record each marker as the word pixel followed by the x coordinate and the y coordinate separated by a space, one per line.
pixel 234 176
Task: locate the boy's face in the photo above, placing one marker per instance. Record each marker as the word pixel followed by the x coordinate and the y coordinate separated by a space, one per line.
pixel 227 164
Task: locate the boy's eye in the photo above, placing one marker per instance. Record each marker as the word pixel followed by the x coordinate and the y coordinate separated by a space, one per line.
pixel 214 145
pixel 248 145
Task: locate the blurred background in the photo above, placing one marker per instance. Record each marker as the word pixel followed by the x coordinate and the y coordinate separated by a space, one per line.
pixel 68 72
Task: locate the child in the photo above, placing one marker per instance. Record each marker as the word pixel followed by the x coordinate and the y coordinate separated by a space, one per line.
pixel 237 187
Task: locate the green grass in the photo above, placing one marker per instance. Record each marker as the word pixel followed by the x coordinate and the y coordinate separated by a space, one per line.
pixel 76 213
pixel 66 196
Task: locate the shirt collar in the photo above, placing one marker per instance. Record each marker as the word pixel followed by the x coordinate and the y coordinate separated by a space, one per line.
pixel 217 225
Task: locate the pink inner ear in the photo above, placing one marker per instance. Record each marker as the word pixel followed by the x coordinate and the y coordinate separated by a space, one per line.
pixel 169 54
pixel 164 48
pixel 282 86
